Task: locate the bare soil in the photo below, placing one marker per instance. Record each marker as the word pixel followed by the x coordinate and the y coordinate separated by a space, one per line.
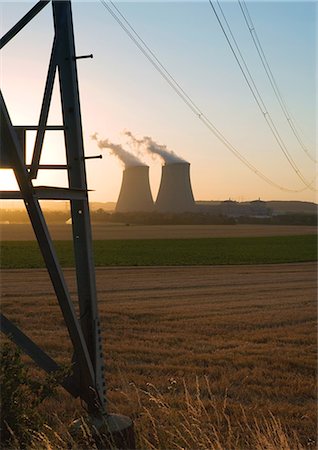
pixel 24 232
pixel 251 330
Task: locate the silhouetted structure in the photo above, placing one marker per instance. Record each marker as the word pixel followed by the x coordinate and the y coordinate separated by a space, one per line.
pixel 86 378
pixel 135 194
pixel 175 191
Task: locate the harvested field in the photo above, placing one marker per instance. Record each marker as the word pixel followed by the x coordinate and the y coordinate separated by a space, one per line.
pixel 251 330
pixel 24 232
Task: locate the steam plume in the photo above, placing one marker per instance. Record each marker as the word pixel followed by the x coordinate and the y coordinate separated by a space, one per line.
pixel 168 156
pixel 128 159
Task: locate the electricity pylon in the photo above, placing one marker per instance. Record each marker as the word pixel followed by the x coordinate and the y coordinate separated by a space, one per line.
pixel 87 378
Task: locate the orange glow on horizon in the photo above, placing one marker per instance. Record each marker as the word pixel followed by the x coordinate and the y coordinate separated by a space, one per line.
pixel 7 180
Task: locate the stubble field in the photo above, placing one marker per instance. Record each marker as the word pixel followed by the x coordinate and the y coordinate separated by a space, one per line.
pixel 243 337
pixel 24 232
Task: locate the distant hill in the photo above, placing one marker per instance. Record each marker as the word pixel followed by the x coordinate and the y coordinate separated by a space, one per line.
pixel 208 202
pixel 277 206
pixel 292 207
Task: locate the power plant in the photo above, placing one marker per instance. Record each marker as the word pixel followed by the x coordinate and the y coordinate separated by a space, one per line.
pixel 175 192
pixel 135 194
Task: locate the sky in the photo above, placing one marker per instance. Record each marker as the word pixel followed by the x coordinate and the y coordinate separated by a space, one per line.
pixel 121 91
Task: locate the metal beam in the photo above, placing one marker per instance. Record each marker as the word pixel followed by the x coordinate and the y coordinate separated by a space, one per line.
pixel 44 112
pixel 35 352
pixel 36 127
pixel 46 193
pixel 23 22
pixel 50 167
pixel 82 236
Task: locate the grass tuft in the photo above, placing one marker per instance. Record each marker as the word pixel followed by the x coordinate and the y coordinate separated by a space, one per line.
pixel 202 423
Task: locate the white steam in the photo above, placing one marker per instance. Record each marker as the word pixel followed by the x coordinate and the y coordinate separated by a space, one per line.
pixel 152 147
pixel 127 158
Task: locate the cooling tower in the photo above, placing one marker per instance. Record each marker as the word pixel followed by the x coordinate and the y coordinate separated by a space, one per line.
pixel 175 192
pixel 135 194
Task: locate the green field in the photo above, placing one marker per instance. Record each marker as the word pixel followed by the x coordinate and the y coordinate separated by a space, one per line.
pixel 162 252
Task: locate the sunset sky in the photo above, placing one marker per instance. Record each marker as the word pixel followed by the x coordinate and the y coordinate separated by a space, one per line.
pixel 120 90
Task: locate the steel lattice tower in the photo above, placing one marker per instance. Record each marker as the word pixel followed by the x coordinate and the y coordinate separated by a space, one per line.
pixel 87 379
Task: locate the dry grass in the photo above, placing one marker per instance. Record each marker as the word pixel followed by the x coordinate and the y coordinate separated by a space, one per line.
pixel 229 352
pixel 203 422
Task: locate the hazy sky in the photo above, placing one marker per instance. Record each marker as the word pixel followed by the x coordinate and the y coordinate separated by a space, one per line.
pixel 120 90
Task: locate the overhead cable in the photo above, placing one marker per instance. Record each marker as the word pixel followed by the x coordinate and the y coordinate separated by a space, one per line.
pixel 255 92
pixel 270 75
pixel 153 59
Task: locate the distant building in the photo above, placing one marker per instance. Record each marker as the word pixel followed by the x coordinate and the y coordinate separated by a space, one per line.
pixel 231 208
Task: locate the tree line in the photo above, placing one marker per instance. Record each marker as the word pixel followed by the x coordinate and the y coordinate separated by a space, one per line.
pixel 156 218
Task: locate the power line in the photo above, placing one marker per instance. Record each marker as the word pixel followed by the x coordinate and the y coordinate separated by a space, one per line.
pixel 256 94
pixel 153 59
pixel 270 75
